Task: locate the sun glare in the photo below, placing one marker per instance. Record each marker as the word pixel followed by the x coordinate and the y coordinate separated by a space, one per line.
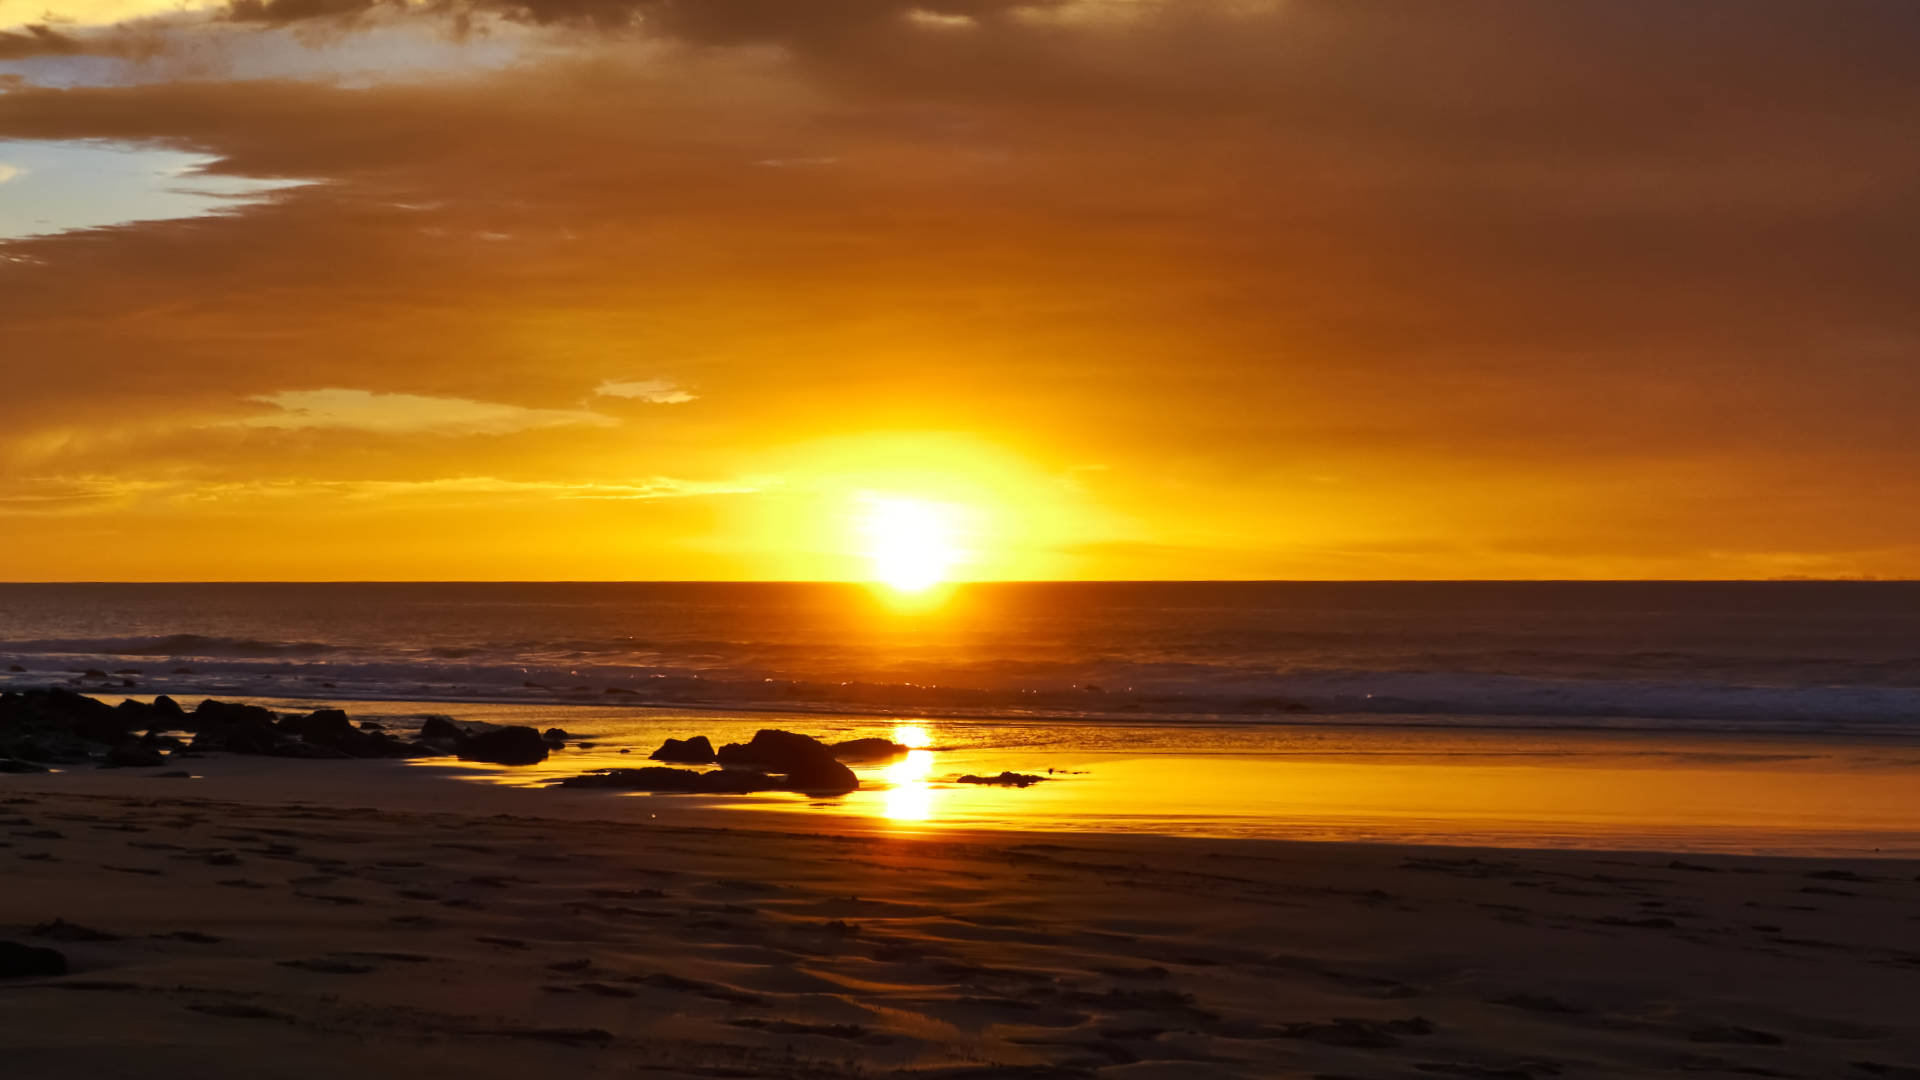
pixel 910 543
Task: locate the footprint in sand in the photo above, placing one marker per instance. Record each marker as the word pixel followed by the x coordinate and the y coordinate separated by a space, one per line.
pixel 326 966
pixel 236 1011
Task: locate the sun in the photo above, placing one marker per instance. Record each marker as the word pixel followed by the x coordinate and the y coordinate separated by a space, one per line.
pixel 910 542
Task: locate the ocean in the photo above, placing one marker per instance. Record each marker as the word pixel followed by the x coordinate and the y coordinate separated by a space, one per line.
pixel 1775 718
pixel 1812 657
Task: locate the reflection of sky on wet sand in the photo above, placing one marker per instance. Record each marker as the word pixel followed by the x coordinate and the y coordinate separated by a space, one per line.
pixel 910 796
pixel 1783 795
pixel 54 186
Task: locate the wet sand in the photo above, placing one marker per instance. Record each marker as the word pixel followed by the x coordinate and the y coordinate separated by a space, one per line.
pixel 218 930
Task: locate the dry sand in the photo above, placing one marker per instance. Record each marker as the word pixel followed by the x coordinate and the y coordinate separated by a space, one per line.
pixel 244 938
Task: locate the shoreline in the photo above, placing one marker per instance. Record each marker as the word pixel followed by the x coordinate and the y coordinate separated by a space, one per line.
pixel 1388 722
pixel 1596 791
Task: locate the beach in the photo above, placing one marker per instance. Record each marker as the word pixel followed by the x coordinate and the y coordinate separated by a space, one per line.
pixel 239 928
pixel 1334 832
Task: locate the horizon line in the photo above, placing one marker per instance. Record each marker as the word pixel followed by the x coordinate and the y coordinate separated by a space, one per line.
pixel 980 581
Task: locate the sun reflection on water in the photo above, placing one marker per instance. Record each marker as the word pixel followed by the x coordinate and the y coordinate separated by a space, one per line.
pixel 909 795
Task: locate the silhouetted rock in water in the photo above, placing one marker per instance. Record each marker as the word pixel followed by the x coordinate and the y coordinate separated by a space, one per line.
pixel 235 728
pixel 806 762
pixel 660 778
pixel 869 750
pixel 694 751
pixel 439 727
pixel 505 746
pixel 1005 779
pixel 58 725
pixel 322 727
pixel 369 725
pixel 183 671
pixel 19 961
pixel 143 716
pixel 15 667
pixel 556 735
pixel 92 720
pixel 132 755
pixel 231 714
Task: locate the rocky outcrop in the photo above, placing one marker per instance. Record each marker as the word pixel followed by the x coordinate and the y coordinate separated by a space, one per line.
pixel 505 746
pixel 694 751
pixel 864 750
pixel 806 762
pixel 58 726
pixel 323 727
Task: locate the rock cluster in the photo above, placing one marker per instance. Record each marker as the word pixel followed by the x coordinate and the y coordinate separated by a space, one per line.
pixel 773 760
pixel 59 727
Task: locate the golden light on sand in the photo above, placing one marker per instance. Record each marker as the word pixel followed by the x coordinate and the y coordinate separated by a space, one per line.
pixel 912 736
pixel 911 542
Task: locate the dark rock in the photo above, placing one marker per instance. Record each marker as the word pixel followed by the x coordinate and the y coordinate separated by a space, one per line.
pixel 168 708
pixel 556 735
pixel 322 727
pixel 235 728
pixel 231 714
pixel 183 671
pixel 305 751
pixel 94 721
pixel 806 762
pixel 660 778
pixel 132 755
pixel 869 750
pixel 1005 779
pixel 694 751
pixel 19 961
pixel 15 667
pixel 439 727
pixel 370 725
pixel 506 746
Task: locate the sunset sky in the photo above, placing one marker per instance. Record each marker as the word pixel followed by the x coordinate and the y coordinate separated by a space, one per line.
pixel 581 289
